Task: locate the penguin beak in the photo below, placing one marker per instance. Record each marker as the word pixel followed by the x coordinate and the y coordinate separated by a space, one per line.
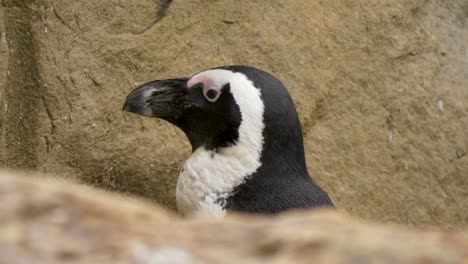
pixel 164 99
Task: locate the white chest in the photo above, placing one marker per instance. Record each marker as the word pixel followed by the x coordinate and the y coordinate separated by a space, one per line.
pixel 208 178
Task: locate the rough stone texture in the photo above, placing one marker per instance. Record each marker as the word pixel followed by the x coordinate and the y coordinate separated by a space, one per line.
pixel 58 222
pixel 381 87
pixel 3 77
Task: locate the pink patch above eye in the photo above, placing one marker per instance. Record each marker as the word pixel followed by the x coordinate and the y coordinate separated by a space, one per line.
pixel 200 79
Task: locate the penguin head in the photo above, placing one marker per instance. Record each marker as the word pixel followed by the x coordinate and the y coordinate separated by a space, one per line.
pixel 223 107
pixel 209 106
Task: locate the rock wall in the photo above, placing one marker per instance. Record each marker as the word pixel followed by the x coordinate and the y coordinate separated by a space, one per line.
pixel 50 222
pixel 3 77
pixel 381 88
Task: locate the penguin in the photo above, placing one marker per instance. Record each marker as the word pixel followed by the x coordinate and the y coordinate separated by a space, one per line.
pixel 247 146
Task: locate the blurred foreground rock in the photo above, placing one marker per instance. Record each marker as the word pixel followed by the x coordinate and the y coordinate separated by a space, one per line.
pixel 45 221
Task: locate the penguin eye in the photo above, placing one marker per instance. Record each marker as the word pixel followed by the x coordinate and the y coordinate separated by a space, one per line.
pixel 211 95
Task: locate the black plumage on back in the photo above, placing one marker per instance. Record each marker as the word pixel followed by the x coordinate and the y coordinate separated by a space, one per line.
pixel 282 182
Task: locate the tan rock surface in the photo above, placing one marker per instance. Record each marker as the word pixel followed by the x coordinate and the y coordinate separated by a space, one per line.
pixel 3 77
pixel 44 221
pixel 381 87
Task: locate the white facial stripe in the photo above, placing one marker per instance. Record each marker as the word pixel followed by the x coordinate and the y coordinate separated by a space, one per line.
pixel 209 176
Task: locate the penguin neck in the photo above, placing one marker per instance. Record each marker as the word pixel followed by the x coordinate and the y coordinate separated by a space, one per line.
pixel 283 150
pixel 210 175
